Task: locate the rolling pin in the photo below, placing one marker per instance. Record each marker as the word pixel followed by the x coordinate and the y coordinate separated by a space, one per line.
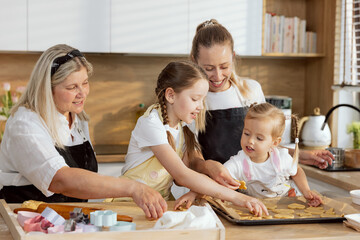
pixel 64 210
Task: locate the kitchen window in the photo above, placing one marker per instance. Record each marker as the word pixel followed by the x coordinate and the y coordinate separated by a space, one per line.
pixel 347 68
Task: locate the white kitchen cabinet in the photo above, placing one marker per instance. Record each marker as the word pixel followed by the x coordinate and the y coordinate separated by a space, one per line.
pixel 13 29
pixel 142 26
pixel 243 19
pixel 83 24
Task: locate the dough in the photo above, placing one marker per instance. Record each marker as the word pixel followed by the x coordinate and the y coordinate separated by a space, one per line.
pixel 304 214
pixel 31 204
pixel 283 211
pixel 270 206
pixel 296 206
pixel 242 185
pixel 284 216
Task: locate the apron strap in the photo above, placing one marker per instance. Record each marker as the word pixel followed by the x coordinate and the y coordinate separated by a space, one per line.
pixel 247 165
pixel 246 168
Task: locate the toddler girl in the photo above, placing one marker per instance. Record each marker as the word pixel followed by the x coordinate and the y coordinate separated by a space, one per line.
pixel 267 170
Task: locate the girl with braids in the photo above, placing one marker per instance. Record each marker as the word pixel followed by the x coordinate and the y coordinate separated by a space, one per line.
pixel 227 101
pixel 162 147
pixel 265 168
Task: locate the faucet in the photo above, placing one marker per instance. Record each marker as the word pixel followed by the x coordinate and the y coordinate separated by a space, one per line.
pixel 335 107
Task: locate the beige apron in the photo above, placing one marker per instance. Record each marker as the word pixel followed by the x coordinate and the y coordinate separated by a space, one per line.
pixel 151 172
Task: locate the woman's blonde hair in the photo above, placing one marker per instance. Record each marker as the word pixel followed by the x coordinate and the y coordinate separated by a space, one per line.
pixel 277 117
pixel 207 35
pixel 180 76
pixel 38 95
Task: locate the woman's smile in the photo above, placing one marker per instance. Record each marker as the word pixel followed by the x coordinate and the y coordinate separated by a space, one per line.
pixel 217 84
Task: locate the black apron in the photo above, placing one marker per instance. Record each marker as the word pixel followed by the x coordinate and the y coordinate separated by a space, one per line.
pixel 78 156
pixel 222 135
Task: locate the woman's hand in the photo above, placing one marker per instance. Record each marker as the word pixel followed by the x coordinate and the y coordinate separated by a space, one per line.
pixel 151 202
pixel 187 198
pixel 254 205
pixel 313 199
pixel 319 158
pixel 220 174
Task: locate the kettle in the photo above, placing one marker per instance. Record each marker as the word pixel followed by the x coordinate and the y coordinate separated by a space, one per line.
pixel 312 134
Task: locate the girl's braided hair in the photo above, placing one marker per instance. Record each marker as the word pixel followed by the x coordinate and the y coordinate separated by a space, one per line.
pixel 179 76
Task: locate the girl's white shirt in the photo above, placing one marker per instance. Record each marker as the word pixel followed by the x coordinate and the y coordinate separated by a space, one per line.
pixel 27 151
pixel 232 98
pixel 149 131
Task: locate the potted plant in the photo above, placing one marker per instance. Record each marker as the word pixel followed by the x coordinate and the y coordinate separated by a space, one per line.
pixel 8 101
pixel 354 128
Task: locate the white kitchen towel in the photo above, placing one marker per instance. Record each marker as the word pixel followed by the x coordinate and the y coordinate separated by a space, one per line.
pixel 195 217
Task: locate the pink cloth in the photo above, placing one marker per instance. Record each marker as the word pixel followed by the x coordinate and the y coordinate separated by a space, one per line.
pixel 37 224
pixel 22 216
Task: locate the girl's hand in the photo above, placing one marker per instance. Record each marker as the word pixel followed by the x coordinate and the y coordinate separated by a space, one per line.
pixel 313 199
pixel 187 198
pixel 220 174
pixel 319 158
pixel 254 205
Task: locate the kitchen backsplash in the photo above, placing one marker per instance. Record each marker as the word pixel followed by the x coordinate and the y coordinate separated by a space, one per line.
pixel 120 83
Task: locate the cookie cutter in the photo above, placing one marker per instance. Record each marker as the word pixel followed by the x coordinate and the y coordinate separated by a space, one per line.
pixel 106 218
pixel 123 226
pixel 52 216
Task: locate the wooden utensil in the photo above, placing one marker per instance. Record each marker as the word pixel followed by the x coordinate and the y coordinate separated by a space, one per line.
pixel 64 210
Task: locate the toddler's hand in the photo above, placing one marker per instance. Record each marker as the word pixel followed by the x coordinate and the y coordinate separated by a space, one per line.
pixel 313 199
pixel 187 198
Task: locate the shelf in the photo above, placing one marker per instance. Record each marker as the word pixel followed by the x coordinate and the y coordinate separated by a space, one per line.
pixel 350 88
pixel 294 55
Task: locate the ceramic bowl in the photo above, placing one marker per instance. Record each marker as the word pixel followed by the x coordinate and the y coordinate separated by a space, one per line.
pixel 355 194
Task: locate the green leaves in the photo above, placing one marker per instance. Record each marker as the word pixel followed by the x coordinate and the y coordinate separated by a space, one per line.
pixel 7 104
pixel 354 128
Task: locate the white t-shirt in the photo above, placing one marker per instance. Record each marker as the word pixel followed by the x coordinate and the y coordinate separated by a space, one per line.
pixel 27 151
pixel 264 179
pixel 149 131
pixel 232 98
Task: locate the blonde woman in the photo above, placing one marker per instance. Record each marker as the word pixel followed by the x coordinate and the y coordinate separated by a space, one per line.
pixel 46 152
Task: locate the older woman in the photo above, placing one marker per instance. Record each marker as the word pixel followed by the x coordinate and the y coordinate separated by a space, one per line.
pixel 46 152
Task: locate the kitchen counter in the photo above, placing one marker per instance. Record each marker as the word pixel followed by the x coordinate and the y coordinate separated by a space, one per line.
pixel 111 158
pixel 289 231
pixel 106 153
pixel 348 180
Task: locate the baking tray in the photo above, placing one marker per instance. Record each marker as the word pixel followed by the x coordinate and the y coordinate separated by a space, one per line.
pixel 339 207
pixel 275 221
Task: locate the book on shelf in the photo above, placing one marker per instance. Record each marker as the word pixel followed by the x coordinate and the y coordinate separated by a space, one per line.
pixel 287 35
pixel 267 33
pixel 296 27
pixel 311 42
pixel 302 37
